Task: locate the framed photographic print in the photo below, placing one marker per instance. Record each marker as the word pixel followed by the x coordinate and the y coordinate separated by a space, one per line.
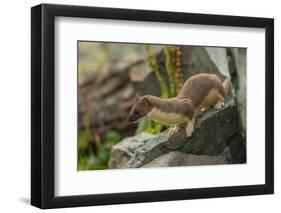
pixel 139 106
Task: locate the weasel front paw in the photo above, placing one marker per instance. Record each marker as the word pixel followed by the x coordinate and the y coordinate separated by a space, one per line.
pixel 173 131
pixel 219 105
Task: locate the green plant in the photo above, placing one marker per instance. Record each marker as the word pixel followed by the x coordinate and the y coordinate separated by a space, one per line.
pixel 104 149
pixel 149 126
pixel 175 81
pixel 152 61
pixel 90 160
pixel 169 52
pixel 85 149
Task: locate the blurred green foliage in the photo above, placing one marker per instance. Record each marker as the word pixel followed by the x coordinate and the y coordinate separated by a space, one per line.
pixel 152 61
pixel 90 159
pixel 149 126
pixel 169 52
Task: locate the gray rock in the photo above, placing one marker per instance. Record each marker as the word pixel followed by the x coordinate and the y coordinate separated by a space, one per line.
pixel 140 149
pixel 150 86
pixel 123 151
pixel 226 153
pixel 237 149
pixel 240 56
pixel 211 135
pixel 197 60
pixel 176 158
pixel 237 69
pixel 213 131
pixel 219 57
pixel 147 152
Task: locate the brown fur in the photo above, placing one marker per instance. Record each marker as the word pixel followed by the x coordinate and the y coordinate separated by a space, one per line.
pixel 173 105
pixel 199 86
pixel 141 108
pixel 199 93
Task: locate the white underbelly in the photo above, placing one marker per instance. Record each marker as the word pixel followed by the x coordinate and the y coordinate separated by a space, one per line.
pixel 167 118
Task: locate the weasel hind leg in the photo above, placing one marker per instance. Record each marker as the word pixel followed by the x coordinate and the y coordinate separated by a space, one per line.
pixel 190 127
pixel 220 103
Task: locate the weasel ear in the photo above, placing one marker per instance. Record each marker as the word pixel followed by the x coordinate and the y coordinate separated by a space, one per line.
pixel 146 101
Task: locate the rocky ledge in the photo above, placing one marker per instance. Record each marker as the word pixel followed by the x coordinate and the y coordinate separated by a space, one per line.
pixel 216 140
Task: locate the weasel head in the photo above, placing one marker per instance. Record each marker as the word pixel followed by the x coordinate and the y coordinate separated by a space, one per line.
pixel 140 109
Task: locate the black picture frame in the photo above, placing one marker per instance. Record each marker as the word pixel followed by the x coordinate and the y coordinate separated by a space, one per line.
pixel 43 102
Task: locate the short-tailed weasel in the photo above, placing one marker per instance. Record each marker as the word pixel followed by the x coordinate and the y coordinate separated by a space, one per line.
pixel 199 93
